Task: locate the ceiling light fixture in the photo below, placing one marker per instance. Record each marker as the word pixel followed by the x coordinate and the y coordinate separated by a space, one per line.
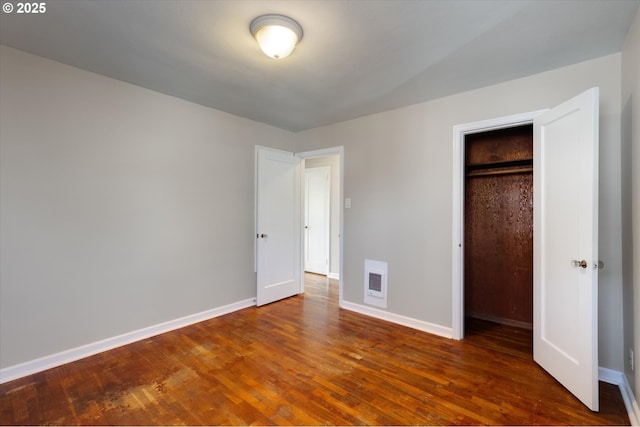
pixel 277 35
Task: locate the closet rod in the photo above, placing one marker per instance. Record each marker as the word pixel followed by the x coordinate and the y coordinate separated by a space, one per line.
pixel 500 171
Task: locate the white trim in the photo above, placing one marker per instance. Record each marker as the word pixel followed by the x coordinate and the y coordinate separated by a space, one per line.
pixel 323 152
pixel 618 378
pixel 334 276
pixel 610 376
pixel 51 361
pixel 459 133
pixel 420 325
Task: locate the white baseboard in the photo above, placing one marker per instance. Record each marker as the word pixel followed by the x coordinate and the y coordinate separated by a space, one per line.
pixel 410 322
pixel 334 276
pixel 47 362
pixel 618 378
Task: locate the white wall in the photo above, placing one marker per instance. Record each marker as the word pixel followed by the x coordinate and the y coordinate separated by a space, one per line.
pixel 121 208
pixel 398 174
pixel 334 252
pixel 631 192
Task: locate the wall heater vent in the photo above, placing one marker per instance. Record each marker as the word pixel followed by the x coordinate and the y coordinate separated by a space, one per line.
pixel 375 283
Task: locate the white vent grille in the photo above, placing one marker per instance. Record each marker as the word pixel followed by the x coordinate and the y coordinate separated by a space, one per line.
pixel 375 283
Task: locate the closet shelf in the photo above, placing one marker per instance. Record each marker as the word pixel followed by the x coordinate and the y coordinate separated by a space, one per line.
pixel 501 168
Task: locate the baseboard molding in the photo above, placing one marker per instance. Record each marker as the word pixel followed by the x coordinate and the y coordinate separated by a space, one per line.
pixel 334 276
pixel 47 362
pixel 410 322
pixel 618 378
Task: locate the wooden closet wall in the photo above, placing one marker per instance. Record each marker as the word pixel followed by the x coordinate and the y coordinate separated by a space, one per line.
pixel 499 226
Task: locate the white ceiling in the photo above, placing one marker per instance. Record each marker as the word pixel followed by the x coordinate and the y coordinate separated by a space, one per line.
pixel 356 57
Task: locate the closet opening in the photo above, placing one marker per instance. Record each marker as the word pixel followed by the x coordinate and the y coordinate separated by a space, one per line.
pixel 498 229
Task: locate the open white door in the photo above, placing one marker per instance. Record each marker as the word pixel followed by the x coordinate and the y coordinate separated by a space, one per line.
pixel 565 289
pixel 278 225
pixel 316 217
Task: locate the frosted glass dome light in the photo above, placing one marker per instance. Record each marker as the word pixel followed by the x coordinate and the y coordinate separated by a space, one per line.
pixel 277 35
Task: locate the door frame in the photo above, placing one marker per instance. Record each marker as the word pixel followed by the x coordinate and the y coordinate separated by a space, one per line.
pixel 324 152
pixel 459 134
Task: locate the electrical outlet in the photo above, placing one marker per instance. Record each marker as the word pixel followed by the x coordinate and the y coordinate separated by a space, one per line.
pixel 631 359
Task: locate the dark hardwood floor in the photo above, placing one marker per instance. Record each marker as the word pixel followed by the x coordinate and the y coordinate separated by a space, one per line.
pixel 303 361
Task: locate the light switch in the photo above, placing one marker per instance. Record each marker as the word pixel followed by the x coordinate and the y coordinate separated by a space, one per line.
pixel 347 203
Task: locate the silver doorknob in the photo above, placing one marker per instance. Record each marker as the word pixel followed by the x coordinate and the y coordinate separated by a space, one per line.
pixel 263 235
pixel 577 263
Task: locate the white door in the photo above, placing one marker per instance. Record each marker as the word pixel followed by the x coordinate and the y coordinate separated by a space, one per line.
pixel 278 225
pixel 316 216
pixel 565 245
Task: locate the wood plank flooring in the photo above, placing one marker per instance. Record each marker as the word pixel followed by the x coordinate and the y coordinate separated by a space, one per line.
pixel 303 361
